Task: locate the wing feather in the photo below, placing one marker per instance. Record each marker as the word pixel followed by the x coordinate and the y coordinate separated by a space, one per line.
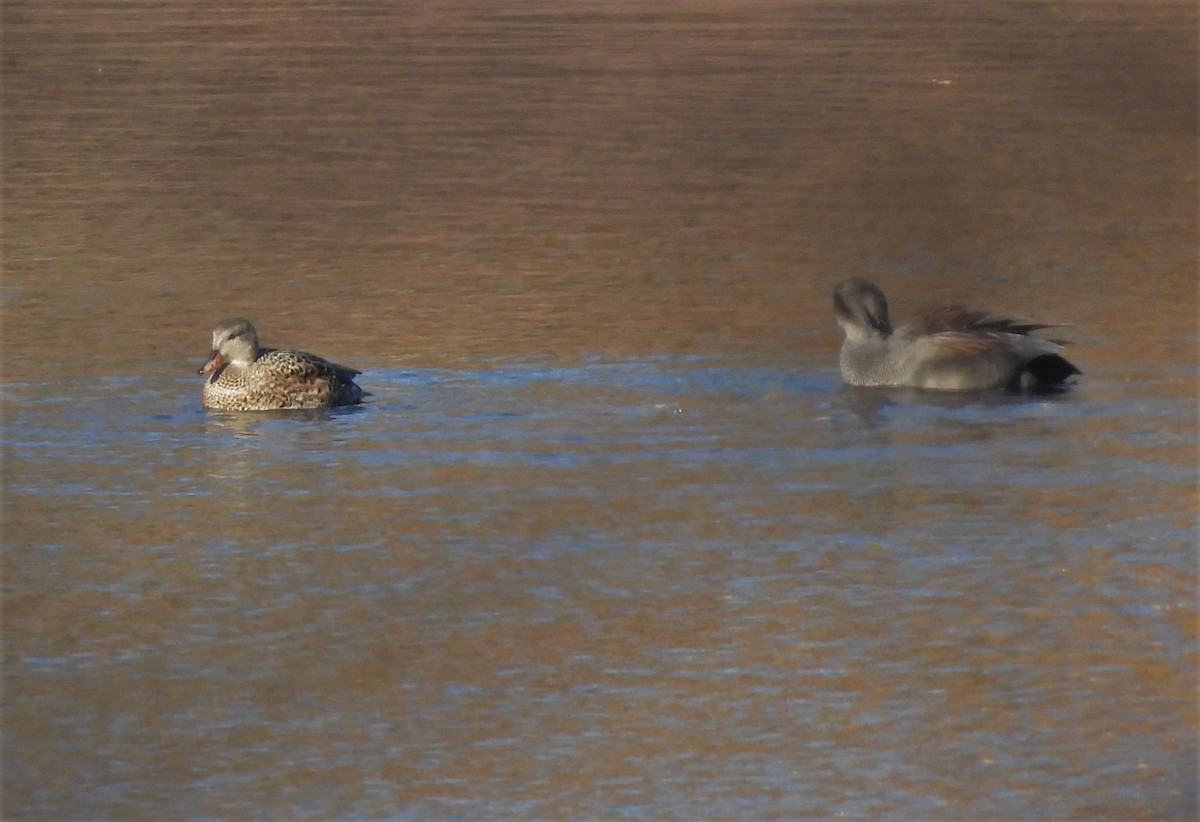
pixel 960 318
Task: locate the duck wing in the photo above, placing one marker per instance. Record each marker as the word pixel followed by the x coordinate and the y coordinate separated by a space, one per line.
pixel 981 358
pixel 958 318
pixel 304 365
pixel 299 374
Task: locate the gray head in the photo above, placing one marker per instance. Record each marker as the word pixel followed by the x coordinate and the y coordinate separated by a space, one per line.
pixel 234 342
pixel 861 309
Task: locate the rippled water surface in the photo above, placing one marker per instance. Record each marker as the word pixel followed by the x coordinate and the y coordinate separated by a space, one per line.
pixel 609 538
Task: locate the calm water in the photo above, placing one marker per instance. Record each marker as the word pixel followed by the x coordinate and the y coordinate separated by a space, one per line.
pixel 609 539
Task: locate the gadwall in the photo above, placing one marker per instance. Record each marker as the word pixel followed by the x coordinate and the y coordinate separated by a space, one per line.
pixel 952 348
pixel 248 378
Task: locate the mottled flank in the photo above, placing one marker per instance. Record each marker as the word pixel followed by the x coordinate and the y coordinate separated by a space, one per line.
pixel 244 377
pixel 951 348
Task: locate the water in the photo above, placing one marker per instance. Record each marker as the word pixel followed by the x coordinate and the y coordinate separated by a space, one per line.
pixel 609 539
pixel 618 588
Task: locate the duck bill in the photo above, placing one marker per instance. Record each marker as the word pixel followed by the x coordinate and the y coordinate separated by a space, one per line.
pixel 214 362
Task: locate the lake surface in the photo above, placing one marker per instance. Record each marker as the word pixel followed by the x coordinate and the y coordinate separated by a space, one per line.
pixel 609 539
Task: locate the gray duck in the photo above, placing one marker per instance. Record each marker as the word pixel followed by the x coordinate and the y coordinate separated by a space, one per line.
pixel 950 349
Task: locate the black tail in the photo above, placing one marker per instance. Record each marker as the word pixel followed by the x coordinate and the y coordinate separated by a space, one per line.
pixel 1051 369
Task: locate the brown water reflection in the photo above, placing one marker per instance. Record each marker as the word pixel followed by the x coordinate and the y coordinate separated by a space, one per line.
pixel 456 179
pixel 612 542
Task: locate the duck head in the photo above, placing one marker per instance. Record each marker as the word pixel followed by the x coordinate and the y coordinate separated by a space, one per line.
pixel 235 342
pixel 861 309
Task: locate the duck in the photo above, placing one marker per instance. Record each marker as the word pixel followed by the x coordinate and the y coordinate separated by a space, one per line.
pixel 242 376
pixel 952 348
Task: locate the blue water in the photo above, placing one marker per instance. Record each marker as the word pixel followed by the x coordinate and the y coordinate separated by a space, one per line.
pixel 691 587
